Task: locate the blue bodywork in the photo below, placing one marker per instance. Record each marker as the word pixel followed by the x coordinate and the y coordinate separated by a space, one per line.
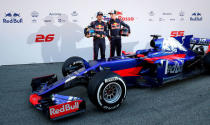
pixel 171 59
pixel 158 66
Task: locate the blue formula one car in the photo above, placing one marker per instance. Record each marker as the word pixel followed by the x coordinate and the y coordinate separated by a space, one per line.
pixel 169 59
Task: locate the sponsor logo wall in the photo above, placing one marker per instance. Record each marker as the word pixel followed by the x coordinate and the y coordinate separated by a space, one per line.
pixel 52 34
pixel 12 17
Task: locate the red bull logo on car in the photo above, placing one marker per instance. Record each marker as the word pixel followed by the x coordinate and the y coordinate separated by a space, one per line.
pixel 12 18
pixel 63 109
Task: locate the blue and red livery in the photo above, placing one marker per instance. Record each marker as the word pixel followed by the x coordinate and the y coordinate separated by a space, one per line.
pixel 168 60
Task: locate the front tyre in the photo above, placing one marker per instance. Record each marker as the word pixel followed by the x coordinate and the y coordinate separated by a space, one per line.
pixel 107 90
pixel 72 64
pixel 207 62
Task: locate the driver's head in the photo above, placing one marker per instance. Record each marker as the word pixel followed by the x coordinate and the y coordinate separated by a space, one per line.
pixel 99 16
pixel 113 14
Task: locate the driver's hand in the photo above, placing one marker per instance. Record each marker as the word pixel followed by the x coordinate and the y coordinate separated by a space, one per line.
pixel 88 35
pixel 103 36
pixel 98 35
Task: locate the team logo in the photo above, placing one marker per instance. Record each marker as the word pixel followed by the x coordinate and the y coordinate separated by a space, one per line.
pixel 99 28
pixel 200 41
pixel 107 17
pixel 172 19
pixel 175 67
pixel 34 16
pixel 161 19
pixel 167 14
pixel 12 18
pixel 63 109
pixel 55 14
pixel 151 13
pixel 181 13
pixel 124 18
pixel 115 26
pixel 74 13
pixel 196 16
pixel 61 20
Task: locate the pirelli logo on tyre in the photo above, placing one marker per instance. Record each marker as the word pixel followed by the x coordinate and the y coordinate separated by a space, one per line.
pixel 64 109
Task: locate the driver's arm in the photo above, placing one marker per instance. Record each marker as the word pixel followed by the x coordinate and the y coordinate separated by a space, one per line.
pixel 125 25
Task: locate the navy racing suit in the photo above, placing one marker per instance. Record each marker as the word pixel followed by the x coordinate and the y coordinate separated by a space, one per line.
pixel 115 27
pixel 99 42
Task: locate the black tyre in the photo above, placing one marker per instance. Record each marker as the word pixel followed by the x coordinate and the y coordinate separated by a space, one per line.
pixel 72 64
pixel 207 62
pixel 107 90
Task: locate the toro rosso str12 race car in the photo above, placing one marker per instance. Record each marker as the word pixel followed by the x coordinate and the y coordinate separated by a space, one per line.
pixel 168 60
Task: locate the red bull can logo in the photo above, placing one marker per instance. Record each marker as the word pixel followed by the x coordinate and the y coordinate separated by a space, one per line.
pixel 12 18
pixel 99 28
pixel 115 25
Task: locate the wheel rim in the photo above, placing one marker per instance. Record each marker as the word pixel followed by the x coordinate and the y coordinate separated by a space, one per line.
pixel 112 92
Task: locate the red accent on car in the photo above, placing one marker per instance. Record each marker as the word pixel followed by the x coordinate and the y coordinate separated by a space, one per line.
pixel 63 109
pixel 34 99
pixel 169 57
pixel 208 49
pixel 140 55
pixel 127 53
pixel 129 72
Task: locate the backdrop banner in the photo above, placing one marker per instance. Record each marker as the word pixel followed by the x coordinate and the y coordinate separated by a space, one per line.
pixel 43 31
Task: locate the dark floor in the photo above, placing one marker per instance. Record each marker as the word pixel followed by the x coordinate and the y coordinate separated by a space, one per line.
pixel 179 103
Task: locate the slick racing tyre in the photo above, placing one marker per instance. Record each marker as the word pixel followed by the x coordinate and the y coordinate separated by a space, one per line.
pixel 72 64
pixel 107 90
pixel 207 62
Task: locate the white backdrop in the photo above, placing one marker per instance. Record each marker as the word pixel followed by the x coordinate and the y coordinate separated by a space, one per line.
pixel 66 19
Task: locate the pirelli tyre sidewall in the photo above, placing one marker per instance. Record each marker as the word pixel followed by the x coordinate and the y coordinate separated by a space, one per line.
pixel 72 61
pixel 98 85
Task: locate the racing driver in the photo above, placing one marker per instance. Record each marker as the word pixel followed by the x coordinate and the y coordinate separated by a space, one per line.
pixel 101 32
pixel 114 25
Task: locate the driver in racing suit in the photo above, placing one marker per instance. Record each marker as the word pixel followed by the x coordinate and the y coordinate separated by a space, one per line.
pixel 101 31
pixel 114 25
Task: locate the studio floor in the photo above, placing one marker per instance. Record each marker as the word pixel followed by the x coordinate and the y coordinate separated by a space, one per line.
pixel 184 102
